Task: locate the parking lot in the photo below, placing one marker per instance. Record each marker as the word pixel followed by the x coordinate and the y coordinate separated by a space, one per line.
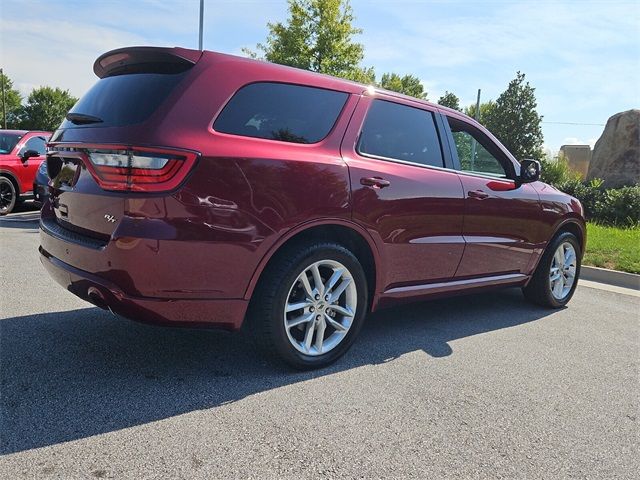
pixel 484 386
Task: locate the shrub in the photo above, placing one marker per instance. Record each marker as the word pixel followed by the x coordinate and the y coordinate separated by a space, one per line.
pixel 615 206
pixel 619 206
pixel 556 171
pixel 589 194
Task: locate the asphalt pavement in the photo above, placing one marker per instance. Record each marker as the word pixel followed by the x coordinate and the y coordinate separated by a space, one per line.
pixel 483 386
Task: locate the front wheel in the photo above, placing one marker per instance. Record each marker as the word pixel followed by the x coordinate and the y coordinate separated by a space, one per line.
pixel 310 305
pixel 556 278
pixel 8 196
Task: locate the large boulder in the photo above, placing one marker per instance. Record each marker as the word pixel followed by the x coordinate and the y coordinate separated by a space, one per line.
pixel 616 155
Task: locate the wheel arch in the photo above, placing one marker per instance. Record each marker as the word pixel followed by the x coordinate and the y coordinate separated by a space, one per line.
pixel 346 233
pixel 10 175
pixel 575 226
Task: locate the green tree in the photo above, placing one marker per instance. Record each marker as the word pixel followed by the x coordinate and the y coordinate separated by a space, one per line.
pixel 486 109
pixel 317 36
pixel 45 108
pixel 14 101
pixel 450 100
pixel 408 85
pixel 515 121
pixel 362 75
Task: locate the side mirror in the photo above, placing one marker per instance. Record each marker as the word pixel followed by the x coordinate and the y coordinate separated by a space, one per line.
pixel 529 171
pixel 29 154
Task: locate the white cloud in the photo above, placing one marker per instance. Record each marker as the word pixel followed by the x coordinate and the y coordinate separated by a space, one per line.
pixel 500 31
pixel 582 57
pixel 63 39
pixel 60 56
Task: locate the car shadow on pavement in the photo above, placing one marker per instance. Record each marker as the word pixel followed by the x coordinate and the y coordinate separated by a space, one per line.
pixel 70 375
pixel 27 216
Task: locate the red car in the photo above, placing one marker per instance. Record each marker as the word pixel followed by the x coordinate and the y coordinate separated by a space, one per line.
pixel 21 153
pixel 196 188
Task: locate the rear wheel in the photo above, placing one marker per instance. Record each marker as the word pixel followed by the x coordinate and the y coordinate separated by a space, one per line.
pixel 310 305
pixel 8 196
pixel 556 277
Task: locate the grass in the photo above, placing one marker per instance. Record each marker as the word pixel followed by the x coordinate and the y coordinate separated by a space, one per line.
pixel 612 247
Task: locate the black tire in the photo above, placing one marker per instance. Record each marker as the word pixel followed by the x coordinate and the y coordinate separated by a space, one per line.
pixel 538 290
pixel 266 316
pixel 8 196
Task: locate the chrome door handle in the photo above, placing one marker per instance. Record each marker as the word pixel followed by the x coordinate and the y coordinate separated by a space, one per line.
pixel 375 182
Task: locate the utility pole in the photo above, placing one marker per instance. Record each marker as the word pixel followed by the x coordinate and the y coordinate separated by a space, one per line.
pixel 4 101
pixel 473 141
pixel 201 25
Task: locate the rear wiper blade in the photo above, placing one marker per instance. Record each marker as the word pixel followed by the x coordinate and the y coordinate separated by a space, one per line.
pixel 82 118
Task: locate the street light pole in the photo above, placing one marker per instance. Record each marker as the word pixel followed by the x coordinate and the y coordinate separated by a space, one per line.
pixel 473 141
pixel 477 115
pixel 201 24
pixel 4 100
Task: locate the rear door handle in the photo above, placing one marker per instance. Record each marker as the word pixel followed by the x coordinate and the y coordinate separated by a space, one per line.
pixel 375 182
pixel 479 194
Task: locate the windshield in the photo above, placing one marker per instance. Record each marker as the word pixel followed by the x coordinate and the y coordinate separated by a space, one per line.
pixel 8 141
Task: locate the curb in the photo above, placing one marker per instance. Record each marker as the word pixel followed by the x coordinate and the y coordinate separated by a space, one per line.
pixel 611 277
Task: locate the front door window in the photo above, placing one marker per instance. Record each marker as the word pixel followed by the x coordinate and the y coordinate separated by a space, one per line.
pixel 477 154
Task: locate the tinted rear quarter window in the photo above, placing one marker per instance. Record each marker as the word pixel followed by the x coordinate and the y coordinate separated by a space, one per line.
pixel 396 131
pixel 125 99
pixel 279 111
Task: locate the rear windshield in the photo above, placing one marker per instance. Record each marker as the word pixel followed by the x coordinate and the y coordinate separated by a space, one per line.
pixel 279 111
pixel 125 99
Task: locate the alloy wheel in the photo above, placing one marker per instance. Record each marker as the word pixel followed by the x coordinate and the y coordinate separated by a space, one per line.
pixel 320 307
pixel 7 196
pixel 562 273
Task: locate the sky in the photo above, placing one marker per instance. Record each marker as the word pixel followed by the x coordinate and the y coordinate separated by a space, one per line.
pixel 582 57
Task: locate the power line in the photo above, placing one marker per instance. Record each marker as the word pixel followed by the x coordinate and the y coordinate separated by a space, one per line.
pixel 576 123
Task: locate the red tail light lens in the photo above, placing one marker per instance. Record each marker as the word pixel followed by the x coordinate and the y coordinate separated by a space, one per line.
pixel 139 170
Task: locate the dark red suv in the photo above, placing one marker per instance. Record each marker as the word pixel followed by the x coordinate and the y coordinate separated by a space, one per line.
pixel 196 188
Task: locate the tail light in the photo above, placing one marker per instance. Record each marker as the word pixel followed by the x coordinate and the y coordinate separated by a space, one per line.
pixel 139 169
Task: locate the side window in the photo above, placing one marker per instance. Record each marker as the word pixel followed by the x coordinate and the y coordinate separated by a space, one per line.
pixel 279 111
pixel 396 131
pixel 472 150
pixel 35 143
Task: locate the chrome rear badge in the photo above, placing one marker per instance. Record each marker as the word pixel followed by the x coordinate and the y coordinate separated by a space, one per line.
pixel 110 218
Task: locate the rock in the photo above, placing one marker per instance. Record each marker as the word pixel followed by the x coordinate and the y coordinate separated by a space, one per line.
pixel 616 155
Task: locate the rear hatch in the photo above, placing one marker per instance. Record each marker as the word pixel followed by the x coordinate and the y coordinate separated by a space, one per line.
pixel 102 155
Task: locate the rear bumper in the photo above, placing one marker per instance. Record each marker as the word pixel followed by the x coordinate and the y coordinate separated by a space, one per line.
pixel 220 313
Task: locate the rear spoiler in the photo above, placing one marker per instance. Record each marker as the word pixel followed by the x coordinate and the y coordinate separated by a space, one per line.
pixel 145 60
